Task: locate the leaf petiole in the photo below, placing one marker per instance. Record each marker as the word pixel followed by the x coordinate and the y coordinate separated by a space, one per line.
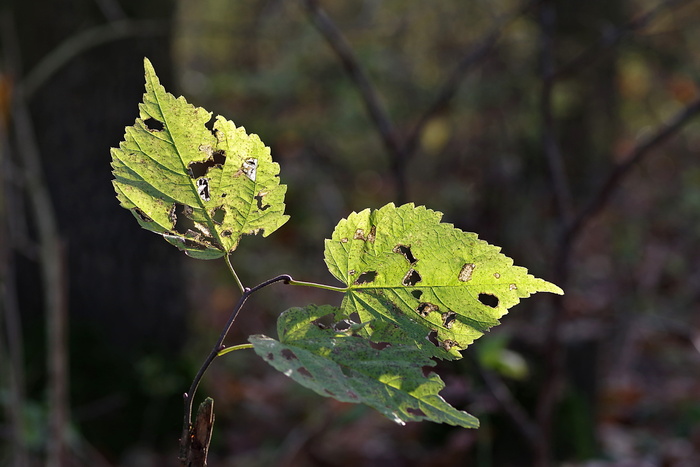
pixel 233 273
pixel 234 347
pixel 318 286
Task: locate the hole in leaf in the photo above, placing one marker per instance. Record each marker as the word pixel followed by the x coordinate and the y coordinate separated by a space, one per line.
pixel 447 344
pixel 372 235
pixel 488 299
pixel 417 293
pixel 181 216
pixel 210 126
pixel 425 308
pixel 448 319
pixel 226 233
pixel 288 354
pixel 153 125
pixel 366 278
pixel 466 273
pixel 496 275
pixel 324 322
pixel 415 412
pixel 250 168
pixel 432 337
pixel 427 371
pixel 512 287
pixel 259 199
pixel 142 215
pixel 406 252
pixel 218 214
pixel 379 345
pixel 304 372
pixel 203 189
pixel 200 169
pixel 270 357
pixel 411 278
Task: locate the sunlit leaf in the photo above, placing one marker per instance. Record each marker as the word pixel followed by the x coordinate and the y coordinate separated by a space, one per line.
pixel 200 188
pixel 417 279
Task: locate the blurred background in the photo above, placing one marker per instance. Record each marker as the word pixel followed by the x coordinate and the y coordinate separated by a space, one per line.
pixel 563 132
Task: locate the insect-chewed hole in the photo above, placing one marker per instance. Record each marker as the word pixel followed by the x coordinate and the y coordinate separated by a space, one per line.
pixel 142 215
pixel 417 293
pixel 366 278
pixel 448 319
pixel 411 278
pixel 153 125
pixel 218 215
pixel 406 252
pixel 415 412
pixel 181 216
pixel 379 345
pixel 488 299
pixel 425 308
pixel 259 199
pixel 432 337
pixel 304 372
pixel 200 169
pixel 210 126
pixel 288 354
pixel 203 189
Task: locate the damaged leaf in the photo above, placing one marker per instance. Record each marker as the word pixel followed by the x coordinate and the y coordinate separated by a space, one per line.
pixel 200 189
pixel 388 377
pixel 431 283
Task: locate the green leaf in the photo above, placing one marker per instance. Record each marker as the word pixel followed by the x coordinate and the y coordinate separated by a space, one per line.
pixel 337 363
pixel 417 279
pixel 200 189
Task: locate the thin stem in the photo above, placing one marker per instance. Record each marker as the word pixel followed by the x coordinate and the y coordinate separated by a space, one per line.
pixel 318 286
pixel 233 348
pixel 218 347
pixel 233 272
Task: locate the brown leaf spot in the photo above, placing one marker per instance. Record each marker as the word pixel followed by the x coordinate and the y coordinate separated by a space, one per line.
pixel 466 273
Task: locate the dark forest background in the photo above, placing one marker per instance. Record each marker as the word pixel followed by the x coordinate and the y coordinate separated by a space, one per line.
pixel 562 131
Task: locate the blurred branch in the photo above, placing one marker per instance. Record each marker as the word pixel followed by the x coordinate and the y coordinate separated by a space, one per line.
pixel 574 225
pixel 611 37
pixel 52 260
pixel 82 42
pixel 508 403
pixel 471 58
pixel 612 182
pixel 11 345
pixel 370 97
pixel 401 151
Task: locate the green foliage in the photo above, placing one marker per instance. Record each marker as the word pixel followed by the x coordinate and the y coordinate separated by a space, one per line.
pixel 200 189
pixel 415 288
pixel 335 362
pixel 420 278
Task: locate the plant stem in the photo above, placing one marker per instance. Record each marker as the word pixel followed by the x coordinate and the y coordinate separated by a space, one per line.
pixel 233 272
pixel 318 286
pixel 234 347
pixel 218 347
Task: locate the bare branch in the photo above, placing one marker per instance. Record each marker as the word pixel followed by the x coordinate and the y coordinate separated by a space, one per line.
pixel 611 37
pixel 82 42
pixel 471 58
pixel 633 157
pixel 370 97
